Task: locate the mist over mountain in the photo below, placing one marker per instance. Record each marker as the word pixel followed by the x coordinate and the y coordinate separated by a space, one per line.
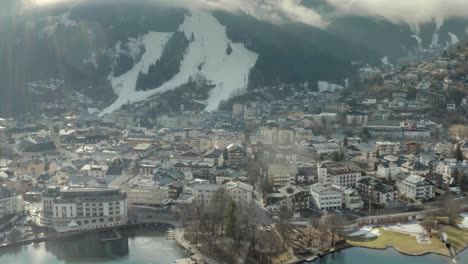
pixel 99 50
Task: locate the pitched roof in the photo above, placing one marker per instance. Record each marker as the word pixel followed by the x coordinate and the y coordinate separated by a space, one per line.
pixel 40 147
pixel 113 170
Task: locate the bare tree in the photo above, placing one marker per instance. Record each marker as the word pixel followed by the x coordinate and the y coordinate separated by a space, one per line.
pixel 334 223
pixel 450 208
pixel 322 229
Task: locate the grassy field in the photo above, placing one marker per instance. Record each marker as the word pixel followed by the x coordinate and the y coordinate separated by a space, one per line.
pixel 457 237
pixel 404 243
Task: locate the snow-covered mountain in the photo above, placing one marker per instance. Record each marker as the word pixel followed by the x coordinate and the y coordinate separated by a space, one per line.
pixel 101 51
pixel 206 56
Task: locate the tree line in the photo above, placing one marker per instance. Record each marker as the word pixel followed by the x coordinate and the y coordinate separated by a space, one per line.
pixel 167 66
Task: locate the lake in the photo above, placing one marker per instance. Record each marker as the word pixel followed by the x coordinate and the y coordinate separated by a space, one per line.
pixel 136 247
pixel 150 246
pixel 388 256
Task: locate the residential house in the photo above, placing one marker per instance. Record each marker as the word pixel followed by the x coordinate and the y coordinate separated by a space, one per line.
pixel 282 174
pixel 387 148
pixel 356 118
pixel 376 191
pixel 351 198
pixel 325 148
pixel 326 197
pixel 96 171
pixel 345 174
pixel 295 198
pixel 9 202
pixel 227 175
pixel 384 128
pixel 236 156
pixel 239 192
pixel 118 168
pixel 416 188
pixel 415 167
pixel 214 155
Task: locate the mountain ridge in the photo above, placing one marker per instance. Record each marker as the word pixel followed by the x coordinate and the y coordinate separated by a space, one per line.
pixel 78 46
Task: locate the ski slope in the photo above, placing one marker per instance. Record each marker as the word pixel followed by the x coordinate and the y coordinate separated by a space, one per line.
pixel 206 56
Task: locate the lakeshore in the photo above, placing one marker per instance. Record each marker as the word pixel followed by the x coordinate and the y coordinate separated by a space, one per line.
pixel 359 255
pixel 137 245
pixel 56 236
pixel 121 249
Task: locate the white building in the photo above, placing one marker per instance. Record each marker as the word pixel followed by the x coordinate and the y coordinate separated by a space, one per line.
pixel 77 209
pixel 416 188
pixel 387 148
pixel 345 174
pixel 149 194
pixel 239 192
pixel 325 148
pixel 387 169
pixel 351 198
pixel 96 171
pixel 325 197
pixel 274 135
pixel 282 174
pixel 9 202
pixel 356 118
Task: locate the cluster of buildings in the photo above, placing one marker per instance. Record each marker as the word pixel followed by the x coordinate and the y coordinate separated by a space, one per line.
pixel 300 147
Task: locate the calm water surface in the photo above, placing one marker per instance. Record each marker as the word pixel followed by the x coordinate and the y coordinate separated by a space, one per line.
pixel 388 256
pixel 150 246
pixel 136 247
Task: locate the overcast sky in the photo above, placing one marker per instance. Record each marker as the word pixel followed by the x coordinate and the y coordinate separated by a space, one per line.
pixel 413 12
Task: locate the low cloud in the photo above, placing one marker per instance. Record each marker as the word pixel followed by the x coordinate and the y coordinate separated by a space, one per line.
pixel 275 11
pixel 412 12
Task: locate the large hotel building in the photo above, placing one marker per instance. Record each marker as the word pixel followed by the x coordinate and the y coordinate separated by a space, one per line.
pixel 76 209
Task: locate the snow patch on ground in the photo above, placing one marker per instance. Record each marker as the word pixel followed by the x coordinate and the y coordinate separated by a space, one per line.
pixel 416 30
pixel 385 61
pixel 439 21
pixel 228 72
pixel 373 233
pixel 410 228
pixel 206 56
pixel 419 40
pixel 51 84
pixel 324 86
pixel 55 21
pixel 124 85
pixel 464 223
pixel 367 231
pixel 132 47
pixel 453 39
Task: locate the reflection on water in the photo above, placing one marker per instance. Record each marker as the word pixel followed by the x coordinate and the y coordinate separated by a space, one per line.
pixel 387 256
pixel 89 248
pixel 136 246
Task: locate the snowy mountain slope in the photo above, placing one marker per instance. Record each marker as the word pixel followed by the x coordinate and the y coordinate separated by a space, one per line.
pixel 97 50
pixel 206 56
pixel 228 72
pixel 124 85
